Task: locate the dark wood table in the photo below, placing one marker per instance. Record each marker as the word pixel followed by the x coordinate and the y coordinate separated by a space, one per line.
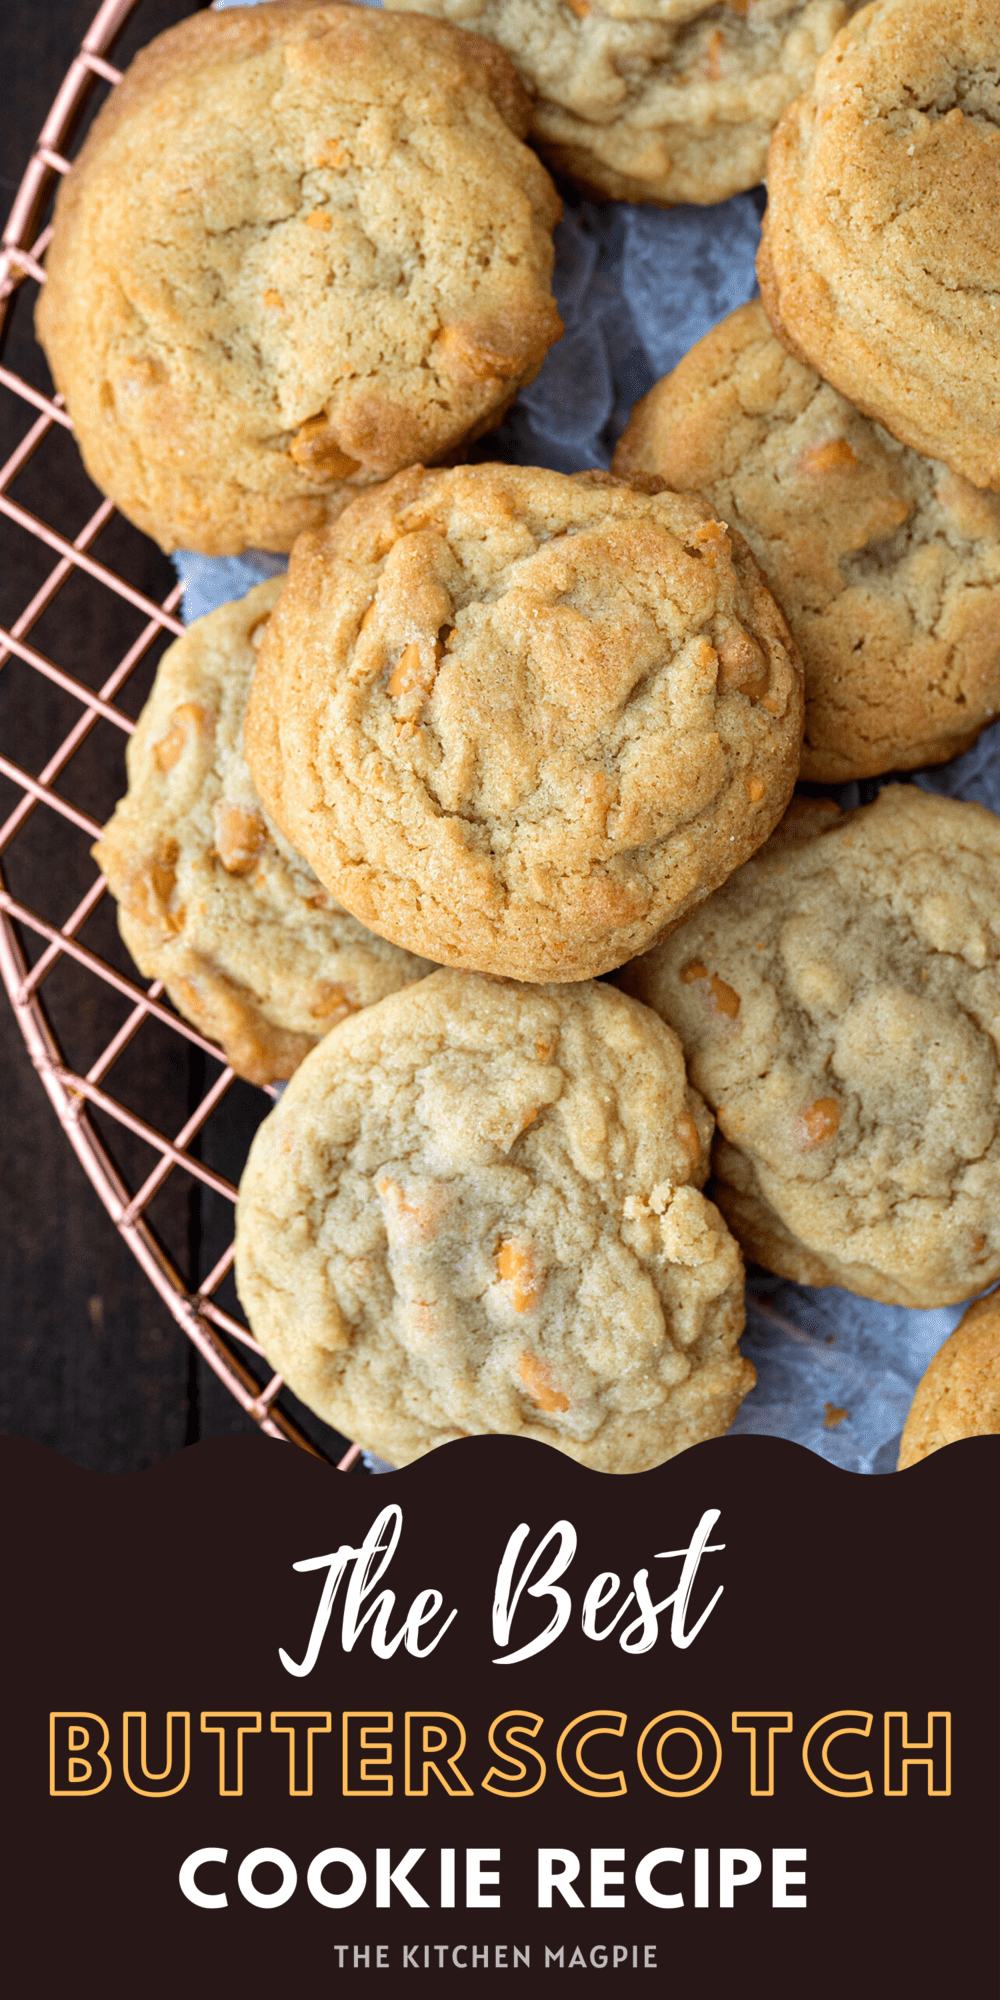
pixel 91 1361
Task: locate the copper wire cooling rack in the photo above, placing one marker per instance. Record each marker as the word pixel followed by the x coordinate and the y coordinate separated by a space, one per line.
pixel 32 947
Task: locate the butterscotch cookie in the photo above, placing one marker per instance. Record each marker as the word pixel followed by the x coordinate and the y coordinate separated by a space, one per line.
pixel 655 100
pixel 476 1208
pixel 302 247
pixel 959 1396
pixel 211 897
pixel 839 1006
pixel 879 261
pixel 521 722
pixel 886 564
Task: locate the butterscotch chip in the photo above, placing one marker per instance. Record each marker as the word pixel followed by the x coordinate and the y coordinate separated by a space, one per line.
pixel 655 100
pixel 821 1120
pixel 878 263
pixel 857 1089
pixel 212 899
pixel 517 1268
pixel 187 719
pixel 886 564
pixel 538 1382
pixel 240 834
pixel 477 1209
pixel 959 1395
pixel 491 710
pixel 284 226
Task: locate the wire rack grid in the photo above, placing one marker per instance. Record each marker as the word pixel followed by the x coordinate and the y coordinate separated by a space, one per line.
pixel 32 946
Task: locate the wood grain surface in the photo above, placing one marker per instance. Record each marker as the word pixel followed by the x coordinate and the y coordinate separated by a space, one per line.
pixel 91 1362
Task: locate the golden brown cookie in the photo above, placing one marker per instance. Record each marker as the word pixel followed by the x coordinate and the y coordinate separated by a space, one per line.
pixel 839 1006
pixel 476 1209
pixel 521 722
pixel 212 900
pixel 886 564
pixel 655 100
pixel 959 1395
pixel 302 247
pixel 879 262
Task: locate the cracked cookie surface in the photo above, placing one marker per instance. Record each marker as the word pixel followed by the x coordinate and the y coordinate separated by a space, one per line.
pixel 959 1396
pixel 655 100
pixel 878 263
pixel 302 247
pixel 211 897
pixel 477 1209
pixel 886 564
pixel 839 1006
pixel 521 723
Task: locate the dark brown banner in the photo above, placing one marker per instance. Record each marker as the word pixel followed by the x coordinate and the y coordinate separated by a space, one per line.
pixel 732 1720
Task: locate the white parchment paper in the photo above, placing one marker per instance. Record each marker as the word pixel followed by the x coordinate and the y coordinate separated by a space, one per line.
pixel 636 288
